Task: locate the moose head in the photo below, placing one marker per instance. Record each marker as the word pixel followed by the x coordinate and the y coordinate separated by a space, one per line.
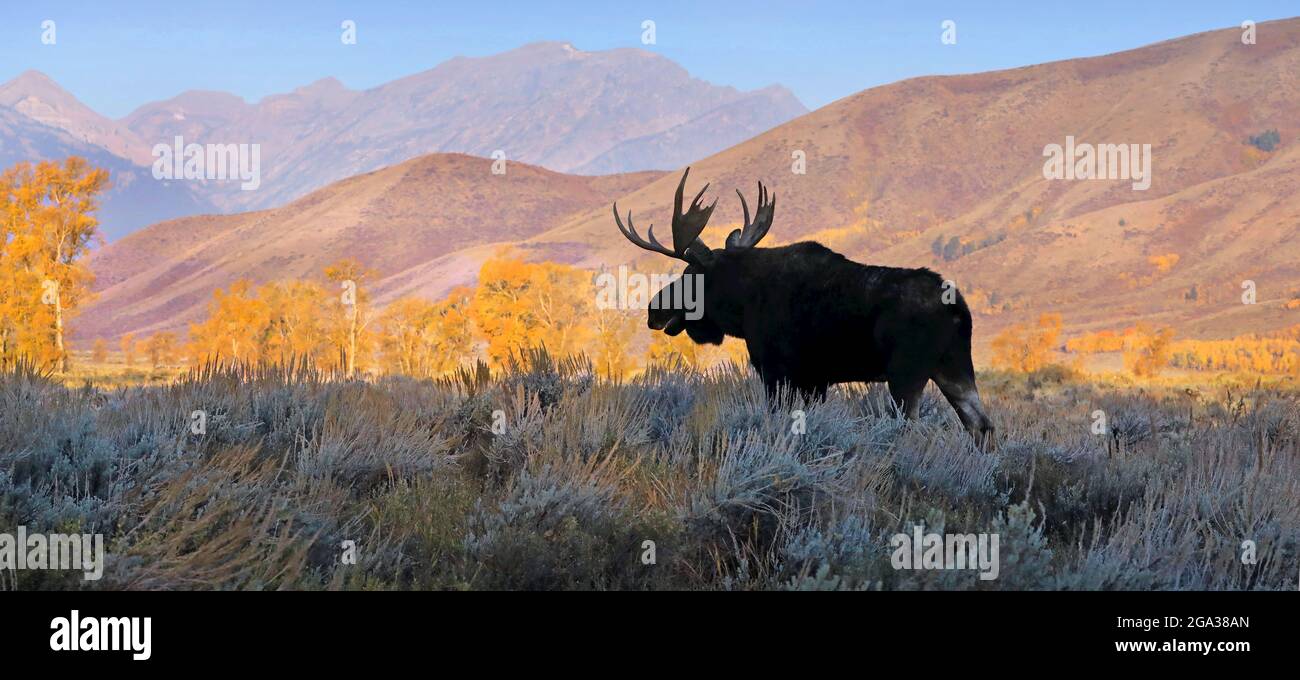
pixel 719 276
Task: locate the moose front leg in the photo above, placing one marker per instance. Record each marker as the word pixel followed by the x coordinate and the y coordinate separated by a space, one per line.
pixel 772 384
pixel 777 379
pixel 808 392
pixel 774 378
pixel 813 391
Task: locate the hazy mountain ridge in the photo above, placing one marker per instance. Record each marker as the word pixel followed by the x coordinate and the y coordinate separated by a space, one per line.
pixel 727 125
pixel 134 199
pixel 36 96
pixel 546 104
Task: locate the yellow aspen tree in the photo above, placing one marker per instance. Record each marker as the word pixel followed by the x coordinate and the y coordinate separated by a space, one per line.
pixel 404 336
pixel 99 351
pixel 350 277
pixel 455 336
pixel 63 226
pixel 615 331
pixel 235 328
pixel 297 327
pixel 519 305
pixel 127 343
pixel 161 348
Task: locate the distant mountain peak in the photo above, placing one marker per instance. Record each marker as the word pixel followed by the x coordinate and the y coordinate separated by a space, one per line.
pixel 326 84
pixel 40 98
pixel 32 76
pixel 32 83
pixel 551 51
pixel 558 46
pixel 547 103
pixel 326 93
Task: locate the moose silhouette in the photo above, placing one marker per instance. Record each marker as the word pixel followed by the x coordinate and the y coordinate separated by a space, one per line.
pixel 811 317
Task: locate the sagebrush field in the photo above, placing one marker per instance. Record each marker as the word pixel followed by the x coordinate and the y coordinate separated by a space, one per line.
pixel 549 476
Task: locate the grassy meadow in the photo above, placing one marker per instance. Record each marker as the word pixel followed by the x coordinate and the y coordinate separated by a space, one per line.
pixel 547 476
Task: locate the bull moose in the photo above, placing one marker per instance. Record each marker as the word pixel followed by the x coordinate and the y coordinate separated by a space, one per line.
pixel 811 317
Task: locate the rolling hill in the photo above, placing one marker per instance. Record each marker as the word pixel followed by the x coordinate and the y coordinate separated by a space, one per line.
pixel 392 219
pixel 897 172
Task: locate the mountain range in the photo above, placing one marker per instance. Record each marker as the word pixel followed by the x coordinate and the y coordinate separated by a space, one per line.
pixel 945 172
pixel 41 121
pixel 546 104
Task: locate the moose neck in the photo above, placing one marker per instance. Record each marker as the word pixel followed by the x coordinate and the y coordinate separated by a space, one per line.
pixel 735 286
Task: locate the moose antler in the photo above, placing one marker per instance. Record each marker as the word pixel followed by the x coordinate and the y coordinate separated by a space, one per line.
pixel 686 227
pixel 753 231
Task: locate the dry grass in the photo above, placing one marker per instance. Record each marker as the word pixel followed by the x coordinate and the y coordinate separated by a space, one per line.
pixel 113 372
pixel 293 463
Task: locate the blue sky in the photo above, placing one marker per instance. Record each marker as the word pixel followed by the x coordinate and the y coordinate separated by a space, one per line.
pixel 118 55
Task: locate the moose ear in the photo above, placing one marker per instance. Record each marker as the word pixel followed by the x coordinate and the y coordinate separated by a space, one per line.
pixel 733 239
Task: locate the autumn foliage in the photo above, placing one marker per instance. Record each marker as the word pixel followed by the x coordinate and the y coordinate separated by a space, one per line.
pixel 424 338
pixel 331 324
pixel 1146 352
pixel 1275 353
pixel 1024 348
pixel 515 306
pixel 47 223
pixel 519 304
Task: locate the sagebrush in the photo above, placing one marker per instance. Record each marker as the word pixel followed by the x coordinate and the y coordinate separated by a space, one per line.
pixel 547 476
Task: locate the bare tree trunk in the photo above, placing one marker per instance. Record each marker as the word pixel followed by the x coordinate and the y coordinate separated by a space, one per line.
pixel 58 305
pixel 352 344
pixel 58 332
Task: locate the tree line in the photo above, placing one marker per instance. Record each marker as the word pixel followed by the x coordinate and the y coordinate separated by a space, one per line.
pixel 515 305
pixel 1147 350
pixel 47 225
